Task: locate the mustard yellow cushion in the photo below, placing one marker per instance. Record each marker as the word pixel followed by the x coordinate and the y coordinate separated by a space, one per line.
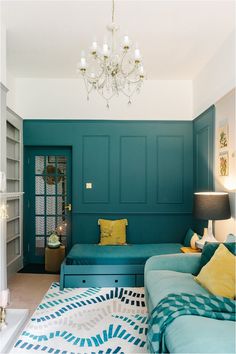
pixel 218 275
pixel 113 232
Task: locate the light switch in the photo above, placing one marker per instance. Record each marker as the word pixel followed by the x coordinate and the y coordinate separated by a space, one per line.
pixel 89 185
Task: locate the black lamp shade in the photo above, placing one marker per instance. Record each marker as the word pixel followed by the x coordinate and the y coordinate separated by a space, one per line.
pixel 211 206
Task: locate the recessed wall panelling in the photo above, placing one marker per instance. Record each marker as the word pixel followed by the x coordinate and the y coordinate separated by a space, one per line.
pixel 133 169
pixel 121 159
pixel 202 159
pixel 96 169
pixel 203 150
pixel 170 169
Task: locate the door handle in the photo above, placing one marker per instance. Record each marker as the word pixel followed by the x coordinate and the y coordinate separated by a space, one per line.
pixel 68 207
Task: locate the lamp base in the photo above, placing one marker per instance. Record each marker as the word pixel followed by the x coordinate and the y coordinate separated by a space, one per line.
pixel 207 236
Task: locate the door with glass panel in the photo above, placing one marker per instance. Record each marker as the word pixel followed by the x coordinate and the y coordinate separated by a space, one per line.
pixel 47 199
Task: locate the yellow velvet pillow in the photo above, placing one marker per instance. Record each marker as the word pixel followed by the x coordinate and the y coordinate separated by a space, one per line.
pixel 113 232
pixel 218 275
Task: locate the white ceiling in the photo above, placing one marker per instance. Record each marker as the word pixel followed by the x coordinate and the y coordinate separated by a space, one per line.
pixel 176 38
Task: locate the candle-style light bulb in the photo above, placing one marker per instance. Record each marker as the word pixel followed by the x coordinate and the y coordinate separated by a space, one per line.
pixel 141 72
pixel 94 48
pixel 105 50
pixel 137 55
pixel 126 43
pixel 83 63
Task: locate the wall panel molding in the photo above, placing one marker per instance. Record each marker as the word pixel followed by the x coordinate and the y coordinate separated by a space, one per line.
pixel 96 169
pixel 170 169
pixel 133 170
pixel 203 132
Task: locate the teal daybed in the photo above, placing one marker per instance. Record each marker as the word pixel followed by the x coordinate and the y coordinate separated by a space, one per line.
pixel 186 334
pixel 91 265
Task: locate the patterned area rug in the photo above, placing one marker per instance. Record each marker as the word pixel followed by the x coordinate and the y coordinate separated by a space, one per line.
pixel 87 320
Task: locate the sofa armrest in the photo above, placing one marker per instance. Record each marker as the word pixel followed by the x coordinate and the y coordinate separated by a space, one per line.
pixel 185 263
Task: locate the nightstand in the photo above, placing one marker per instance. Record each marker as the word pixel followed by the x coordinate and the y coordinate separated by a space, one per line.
pixel 53 259
pixel 189 250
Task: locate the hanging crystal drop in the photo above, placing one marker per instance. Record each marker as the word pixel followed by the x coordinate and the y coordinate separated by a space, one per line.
pixel 87 97
pixel 108 105
pixel 129 102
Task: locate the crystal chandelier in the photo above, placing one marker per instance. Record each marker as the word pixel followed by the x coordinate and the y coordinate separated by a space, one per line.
pixel 111 72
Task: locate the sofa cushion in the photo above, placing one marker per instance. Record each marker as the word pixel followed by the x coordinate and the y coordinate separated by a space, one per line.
pixel 210 248
pixel 195 334
pixel 160 283
pixel 217 279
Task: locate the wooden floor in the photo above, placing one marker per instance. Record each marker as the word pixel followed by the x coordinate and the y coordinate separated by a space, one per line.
pixel 27 290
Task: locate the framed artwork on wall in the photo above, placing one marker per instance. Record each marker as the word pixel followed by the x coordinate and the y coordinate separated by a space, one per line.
pixel 223 136
pixel 224 163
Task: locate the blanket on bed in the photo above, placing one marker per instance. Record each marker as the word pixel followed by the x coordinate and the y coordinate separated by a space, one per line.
pixel 175 305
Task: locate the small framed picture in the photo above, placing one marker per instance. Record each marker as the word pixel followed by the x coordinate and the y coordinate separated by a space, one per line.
pixel 224 163
pixel 223 136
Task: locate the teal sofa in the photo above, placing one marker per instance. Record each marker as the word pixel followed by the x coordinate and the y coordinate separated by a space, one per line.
pixel 167 274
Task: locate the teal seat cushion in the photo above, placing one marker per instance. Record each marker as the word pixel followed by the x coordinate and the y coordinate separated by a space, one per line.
pixel 195 334
pixel 160 283
pixel 82 254
pixel 210 248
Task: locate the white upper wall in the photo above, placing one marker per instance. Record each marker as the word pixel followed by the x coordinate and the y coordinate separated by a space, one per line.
pixel 225 115
pixel 217 78
pixel 3 54
pixel 66 98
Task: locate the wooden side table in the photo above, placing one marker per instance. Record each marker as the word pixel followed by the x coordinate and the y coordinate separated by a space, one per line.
pixel 53 258
pixel 189 250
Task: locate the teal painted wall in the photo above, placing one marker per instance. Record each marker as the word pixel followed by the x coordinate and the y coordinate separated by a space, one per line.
pixel 203 156
pixel 140 170
pixel 203 132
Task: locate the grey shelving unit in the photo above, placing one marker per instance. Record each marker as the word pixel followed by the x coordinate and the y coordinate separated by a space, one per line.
pixel 14 185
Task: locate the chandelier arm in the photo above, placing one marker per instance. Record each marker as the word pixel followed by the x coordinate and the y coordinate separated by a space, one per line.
pixel 121 62
pixel 97 78
pixel 126 75
pixel 100 86
pixel 135 81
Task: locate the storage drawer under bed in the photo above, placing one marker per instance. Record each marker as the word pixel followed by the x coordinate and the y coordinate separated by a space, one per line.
pixel 111 280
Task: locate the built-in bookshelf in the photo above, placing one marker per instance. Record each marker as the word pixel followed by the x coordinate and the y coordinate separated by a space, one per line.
pixel 14 185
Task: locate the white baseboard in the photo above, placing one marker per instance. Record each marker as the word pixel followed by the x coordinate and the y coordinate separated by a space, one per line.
pixel 14 267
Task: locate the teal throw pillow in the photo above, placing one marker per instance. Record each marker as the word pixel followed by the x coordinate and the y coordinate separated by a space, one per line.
pixel 188 238
pixel 210 248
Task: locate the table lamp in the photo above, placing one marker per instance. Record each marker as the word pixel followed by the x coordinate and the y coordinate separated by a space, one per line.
pixel 210 206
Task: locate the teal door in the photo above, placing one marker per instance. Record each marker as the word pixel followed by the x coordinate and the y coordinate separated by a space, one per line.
pixel 47 199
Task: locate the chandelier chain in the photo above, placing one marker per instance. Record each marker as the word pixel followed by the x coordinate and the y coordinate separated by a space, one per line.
pixel 113 11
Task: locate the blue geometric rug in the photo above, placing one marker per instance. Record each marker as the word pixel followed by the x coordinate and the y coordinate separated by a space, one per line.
pixel 87 320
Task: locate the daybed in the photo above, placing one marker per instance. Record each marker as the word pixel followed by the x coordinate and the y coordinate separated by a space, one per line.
pixel 91 265
pixel 188 333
